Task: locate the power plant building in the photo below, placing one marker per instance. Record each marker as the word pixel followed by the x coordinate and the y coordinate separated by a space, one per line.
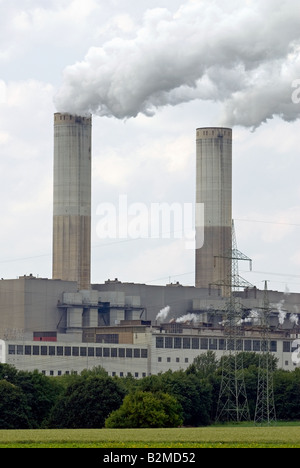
pixel 66 324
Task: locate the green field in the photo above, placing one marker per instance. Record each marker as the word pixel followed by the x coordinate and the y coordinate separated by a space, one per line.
pixel 211 437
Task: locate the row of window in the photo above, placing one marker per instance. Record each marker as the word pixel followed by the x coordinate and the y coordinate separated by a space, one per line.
pixel 136 375
pixel 214 344
pixel 82 351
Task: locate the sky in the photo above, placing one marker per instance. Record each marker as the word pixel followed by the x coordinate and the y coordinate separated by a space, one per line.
pixel 151 73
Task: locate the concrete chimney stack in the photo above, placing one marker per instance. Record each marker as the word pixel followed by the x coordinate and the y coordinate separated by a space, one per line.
pixel 214 189
pixel 72 199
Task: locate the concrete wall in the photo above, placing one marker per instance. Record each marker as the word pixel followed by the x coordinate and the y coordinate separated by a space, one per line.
pixel 214 190
pixel 154 298
pixel 29 304
pixel 72 199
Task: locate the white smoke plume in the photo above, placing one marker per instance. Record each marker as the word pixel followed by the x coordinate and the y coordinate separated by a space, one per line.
pixel 163 314
pixel 188 318
pixel 281 313
pixel 294 319
pixel 244 55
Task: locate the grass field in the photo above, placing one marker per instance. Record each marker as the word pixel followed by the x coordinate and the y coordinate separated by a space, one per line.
pixel 211 437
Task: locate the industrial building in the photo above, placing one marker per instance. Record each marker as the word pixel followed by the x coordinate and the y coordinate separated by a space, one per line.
pixel 66 324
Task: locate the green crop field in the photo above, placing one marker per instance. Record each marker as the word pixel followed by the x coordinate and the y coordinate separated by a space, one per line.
pixel 211 437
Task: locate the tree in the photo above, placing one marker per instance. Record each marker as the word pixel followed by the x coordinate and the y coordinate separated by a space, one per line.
pixel 193 393
pixel 86 403
pixel 146 410
pixel 13 408
pixel 204 365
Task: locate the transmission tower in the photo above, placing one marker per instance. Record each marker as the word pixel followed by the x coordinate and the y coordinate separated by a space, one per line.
pixel 265 412
pixel 233 402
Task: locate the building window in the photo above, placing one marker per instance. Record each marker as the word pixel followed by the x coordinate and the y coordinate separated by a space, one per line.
pixel 36 350
pixel 186 343
pixel 121 352
pixel 107 338
pixel 106 352
pixel 137 353
pixel 273 346
pixel 159 342
pixel 82 352
pixel 129 353
pixel 60 351
pixel 177 359
pixel 98 352
pixel 67 350
pixel 239 345
pixel 11 349
pixel 247 345
pixel 195 343
pixel 286 347
pixel 144 353
pixel 222 344
pixel 91 352
pixel 204 343
pixel 75 351
pixel 159 359
pixel 256 345
pixel 27 350
pixel 168 359
pixel 168 342
pixel 114 352
pixel 177 343
pixel 213 343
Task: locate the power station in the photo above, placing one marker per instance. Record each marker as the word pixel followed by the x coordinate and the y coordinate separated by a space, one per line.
pixel 66 324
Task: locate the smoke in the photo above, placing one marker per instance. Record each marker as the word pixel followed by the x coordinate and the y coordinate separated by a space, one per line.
pixel 244 55
pixel 188 318
pixel 294 319
pixel 163 314
pixel 281 313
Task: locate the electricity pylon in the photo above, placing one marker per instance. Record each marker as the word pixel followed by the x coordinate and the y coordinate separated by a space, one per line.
pixel 233 402
pixel 265 412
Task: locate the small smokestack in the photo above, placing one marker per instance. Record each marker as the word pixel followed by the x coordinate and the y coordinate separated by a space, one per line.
pixel 214 189
pixel 72 199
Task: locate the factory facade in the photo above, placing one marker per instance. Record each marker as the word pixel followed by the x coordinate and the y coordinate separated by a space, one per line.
pixel 135 348
pixel 60 332
pixel 66 324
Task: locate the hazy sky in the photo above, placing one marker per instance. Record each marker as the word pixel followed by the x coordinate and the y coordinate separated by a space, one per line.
pixel 151 72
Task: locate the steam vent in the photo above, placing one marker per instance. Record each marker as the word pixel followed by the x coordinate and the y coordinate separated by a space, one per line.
pixel 72 199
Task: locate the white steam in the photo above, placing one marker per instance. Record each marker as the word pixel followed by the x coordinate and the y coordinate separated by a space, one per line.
pixel 245 55
pixel 163 314
pixel 294 319
pixel 188 318
pixel 281 313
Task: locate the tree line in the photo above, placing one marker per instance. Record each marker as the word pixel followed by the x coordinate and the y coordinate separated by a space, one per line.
pixel 31 400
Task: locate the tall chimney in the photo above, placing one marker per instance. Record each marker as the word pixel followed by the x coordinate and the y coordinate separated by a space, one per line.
pixel 72 199
pixel 214 189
